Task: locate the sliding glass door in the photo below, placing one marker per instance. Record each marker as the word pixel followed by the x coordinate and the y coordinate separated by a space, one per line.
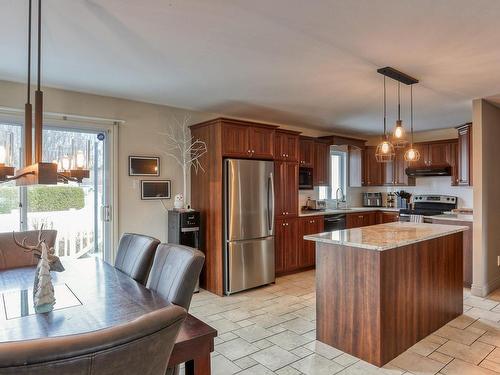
pixel 74 210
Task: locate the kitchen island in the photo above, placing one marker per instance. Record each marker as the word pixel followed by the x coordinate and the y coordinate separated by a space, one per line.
pixel 382 288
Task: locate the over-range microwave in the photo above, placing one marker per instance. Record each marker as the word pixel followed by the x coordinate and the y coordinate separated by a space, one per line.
pixel 306 178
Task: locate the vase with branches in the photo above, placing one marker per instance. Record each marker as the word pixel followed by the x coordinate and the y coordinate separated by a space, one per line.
pixel 184 149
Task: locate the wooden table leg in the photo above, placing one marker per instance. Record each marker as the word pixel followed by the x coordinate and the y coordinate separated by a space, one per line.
pixel 199 365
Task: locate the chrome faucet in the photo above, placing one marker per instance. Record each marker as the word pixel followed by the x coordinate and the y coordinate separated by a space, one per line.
pixel 337 196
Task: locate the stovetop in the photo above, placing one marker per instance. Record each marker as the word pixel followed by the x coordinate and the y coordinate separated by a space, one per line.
pixel 430 205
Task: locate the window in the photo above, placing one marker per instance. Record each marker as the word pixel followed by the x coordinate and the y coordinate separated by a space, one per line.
pixel 338 175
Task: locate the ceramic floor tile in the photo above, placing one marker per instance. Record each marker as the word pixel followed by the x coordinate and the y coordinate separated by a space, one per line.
pixel 253 333
pixel 317 365
pixel 345 359
pixel 494 355
pixel 474 353
pixel 288 340
pixel 236 349
pixel 440 357
pixel 245 362
pixel 464 336
pixel 326 351
pixel 462 322
pixel 223 366
pixel 256 370
pixel 298 325
pixel 481 303
pixel 274 357
pixel 288 370
pixel 224 325
pixel 477 313
pixel 458 367
pixel 425 347
pixel 490 365
pixel 416 363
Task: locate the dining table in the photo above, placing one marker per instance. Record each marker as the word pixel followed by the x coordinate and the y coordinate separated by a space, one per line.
pixel 92 295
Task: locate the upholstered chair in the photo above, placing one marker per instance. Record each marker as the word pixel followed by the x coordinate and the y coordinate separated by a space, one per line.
pixel 142 346
pixel 135 255
pixel 175 272
pixel 13 256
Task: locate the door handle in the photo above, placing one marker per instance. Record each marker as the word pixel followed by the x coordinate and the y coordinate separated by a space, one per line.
pixel 270 202
pixel 106 213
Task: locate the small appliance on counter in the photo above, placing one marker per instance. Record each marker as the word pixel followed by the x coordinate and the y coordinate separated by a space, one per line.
pixel 184 229
pixel 391 200
pixel 372 199
pixel 315 205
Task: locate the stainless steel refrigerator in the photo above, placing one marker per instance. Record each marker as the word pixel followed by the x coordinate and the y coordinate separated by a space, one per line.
pixel 249 224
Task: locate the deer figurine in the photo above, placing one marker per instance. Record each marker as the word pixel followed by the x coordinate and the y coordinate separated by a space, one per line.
pixel 43 289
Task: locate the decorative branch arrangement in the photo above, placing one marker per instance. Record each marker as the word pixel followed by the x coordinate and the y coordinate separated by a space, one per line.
pixel 43 289
pixel 183 148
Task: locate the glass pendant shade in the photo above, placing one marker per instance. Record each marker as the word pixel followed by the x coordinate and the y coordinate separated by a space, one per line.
pixel 385 152
pixel 412 154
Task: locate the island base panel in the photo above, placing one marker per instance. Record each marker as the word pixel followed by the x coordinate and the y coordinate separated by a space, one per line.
pixel 376 304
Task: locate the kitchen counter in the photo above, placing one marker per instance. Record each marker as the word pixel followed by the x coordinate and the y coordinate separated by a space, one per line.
pixel 386 236
pixel 381 288
pixel 452 217
pixel 332 211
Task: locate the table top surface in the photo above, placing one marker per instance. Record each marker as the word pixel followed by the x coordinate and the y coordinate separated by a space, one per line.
pixel 386 236
pixel 107 298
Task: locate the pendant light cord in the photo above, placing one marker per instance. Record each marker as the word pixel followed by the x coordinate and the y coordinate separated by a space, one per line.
pixel 411 113
pixel 385 111
pixel 39 41
pixel 29 53
pixel 399 101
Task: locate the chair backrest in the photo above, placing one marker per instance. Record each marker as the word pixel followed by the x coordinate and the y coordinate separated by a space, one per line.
pixel 135 255
pixel 142 346
pixel 13 256
pixel 174 273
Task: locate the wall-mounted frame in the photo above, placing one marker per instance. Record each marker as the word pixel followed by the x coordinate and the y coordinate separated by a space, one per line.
pixel 155 189
pixel 143 166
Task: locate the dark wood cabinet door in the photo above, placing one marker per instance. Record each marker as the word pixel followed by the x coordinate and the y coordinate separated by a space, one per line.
pixel 400 165
pixel 321 162
pixel 387 217
pixel 423 149
pixel 465 155
pixel 439 154
pixel 286 245
pixel 373 170
pixel 287 146
pixel 306 152
pixel 235 140
pixel 454 163
pixel 279 246
pixel 307 249
pixel 286 189
pixel 261 142
pixel 360 219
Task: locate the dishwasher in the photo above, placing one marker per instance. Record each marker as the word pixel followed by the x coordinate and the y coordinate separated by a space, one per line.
pixel 334 222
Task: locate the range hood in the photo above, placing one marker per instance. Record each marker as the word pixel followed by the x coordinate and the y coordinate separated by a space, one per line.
pixel 428 171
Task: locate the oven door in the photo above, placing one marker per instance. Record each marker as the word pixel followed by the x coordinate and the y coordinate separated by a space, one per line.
pixel 306 178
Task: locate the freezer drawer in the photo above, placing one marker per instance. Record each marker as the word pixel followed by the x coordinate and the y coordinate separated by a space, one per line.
pixel 249 263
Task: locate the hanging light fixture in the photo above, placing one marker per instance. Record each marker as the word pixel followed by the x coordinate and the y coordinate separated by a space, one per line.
pixel 36 171
pixel 412 154
pixel 385 150
pixel 398 135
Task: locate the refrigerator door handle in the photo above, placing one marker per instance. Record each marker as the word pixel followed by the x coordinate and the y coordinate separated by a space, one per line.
pixel 270 202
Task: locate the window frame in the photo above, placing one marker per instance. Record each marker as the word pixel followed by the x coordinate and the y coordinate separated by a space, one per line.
pixel 326 192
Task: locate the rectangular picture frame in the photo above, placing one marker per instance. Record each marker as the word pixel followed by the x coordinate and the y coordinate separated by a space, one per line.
pixel 156 189
pixel 137 158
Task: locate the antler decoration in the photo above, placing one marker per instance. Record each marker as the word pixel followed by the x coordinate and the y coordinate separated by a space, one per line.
pixel 54 261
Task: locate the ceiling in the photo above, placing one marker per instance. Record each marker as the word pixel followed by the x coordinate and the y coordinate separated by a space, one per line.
pixel 305 63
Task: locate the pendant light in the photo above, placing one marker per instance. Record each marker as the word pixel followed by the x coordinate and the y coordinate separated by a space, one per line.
pixel 412 154
pixel 37 172
pixel 385 150
pixel 398 135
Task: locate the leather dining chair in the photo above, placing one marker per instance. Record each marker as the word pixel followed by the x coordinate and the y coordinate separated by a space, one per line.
pixel 175 272
pixel 13 256
pixel 142 346
pixel 135 255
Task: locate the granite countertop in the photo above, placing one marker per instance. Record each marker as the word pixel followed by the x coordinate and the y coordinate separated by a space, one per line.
pixel 386 236
pixel 330 211
pixel 452 217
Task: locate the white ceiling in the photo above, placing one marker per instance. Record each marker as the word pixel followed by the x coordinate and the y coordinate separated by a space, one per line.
pixel 307 63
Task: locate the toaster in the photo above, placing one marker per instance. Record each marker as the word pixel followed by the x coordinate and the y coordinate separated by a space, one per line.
pixel 315 204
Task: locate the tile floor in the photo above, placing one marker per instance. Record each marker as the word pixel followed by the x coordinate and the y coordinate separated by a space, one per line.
pixel 271 330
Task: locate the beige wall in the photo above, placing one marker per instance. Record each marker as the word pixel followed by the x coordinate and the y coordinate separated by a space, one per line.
pixel 486 236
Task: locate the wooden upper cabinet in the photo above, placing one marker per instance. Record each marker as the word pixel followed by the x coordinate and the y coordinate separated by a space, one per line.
pixel 306 152
pixel 373 170
pixel 434 154
pixel 261 141
pixel 286 145
pixel 247 141
pixel 321 163
pixel 464 167
pixel 395 171
pixel 286 188
pixel 355 157
pixel 235 140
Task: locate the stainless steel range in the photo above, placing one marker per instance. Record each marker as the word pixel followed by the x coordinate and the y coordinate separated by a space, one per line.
pixel 429 205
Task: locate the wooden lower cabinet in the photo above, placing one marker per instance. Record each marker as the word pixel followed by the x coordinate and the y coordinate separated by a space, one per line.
pixel 292 252
pixel 307 249
pixel 286 245
pixel 361 219
pixel 387 217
